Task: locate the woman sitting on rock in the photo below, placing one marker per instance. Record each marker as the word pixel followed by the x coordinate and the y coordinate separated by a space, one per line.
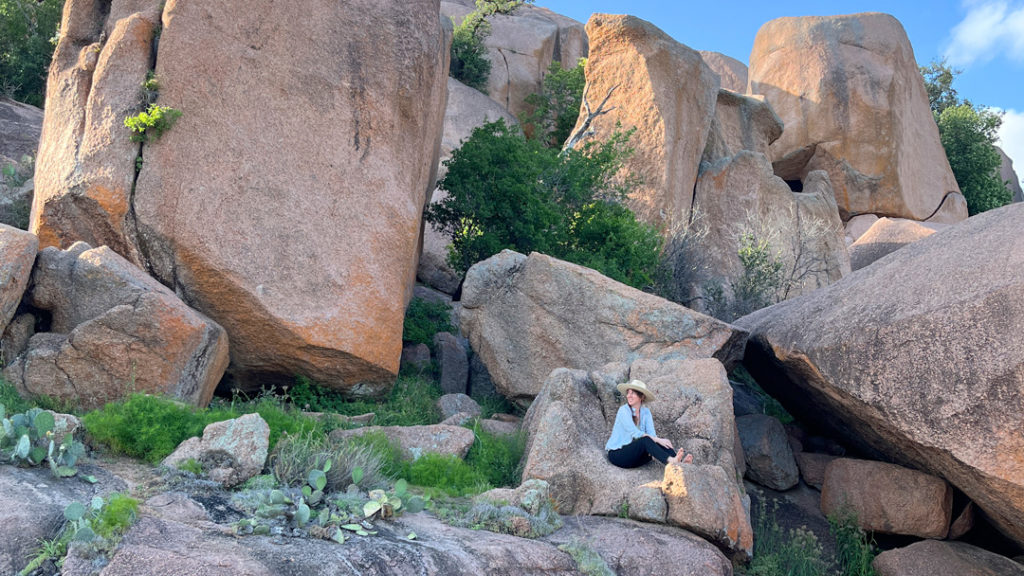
pixel 633 440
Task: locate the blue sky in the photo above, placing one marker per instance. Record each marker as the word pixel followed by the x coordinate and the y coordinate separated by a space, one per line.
pixel 984 38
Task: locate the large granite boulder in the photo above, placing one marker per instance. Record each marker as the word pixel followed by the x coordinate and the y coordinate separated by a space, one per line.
pixel 299 235
pixel 17 255
pixel 915 359
pixel 521 47
pixel 570 421
pixel 886 236
pixel 1008 175
pixel 113 331
pixel 526 316
pixel 466 109
pixel 86 169
pixel 934 558
pixel 20 127
pixel 739 196
pixel 741 123
pixel 672 117
pixel 888 498
pixel 854 104
pixel 731 72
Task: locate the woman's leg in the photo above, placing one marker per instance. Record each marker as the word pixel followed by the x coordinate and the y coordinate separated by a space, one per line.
pixel 631 455
pixel 658 451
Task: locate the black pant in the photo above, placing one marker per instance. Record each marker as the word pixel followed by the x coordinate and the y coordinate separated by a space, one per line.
pixel 639 452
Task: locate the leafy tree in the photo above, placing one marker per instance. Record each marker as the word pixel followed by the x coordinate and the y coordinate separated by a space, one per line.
pixel 469 63
pixel 555 109
pixel 505 191
pixel 27 31
pixel 968 134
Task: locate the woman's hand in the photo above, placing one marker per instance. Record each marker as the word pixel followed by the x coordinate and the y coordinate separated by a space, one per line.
pixel 663 442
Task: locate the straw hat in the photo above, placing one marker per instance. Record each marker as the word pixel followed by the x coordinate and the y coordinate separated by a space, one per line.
pixel 639 387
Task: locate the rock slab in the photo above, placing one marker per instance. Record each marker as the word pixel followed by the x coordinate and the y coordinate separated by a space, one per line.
pixel 929 373
pixel 526 316
pixel 114 331
pixel 231 451
pixel 769 457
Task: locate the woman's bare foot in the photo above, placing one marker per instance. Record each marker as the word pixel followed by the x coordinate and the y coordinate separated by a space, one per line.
pixel 688 459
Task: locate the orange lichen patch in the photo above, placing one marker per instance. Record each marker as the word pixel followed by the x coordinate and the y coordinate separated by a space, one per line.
pixel 111 201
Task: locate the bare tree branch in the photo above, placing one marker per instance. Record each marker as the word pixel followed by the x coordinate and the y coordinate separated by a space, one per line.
pixel 584 130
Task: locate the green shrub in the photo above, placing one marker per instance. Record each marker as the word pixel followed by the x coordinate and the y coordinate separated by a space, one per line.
pixel 588 561
pixel 295 457
pixel 151 427
pixel 424 319
pixel 505 191
pixel 469 63
pixel 447 473
pixel 191 465
pixel 10 398
pixel 152 123
pixel 378 444
pixel 27 40
pixel 776 553
pixel 763 276
pixel 854 550
pixel 496 457
pixel 553 112
pixel 412 401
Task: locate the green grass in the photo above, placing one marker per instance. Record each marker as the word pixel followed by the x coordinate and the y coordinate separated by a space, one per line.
pixel 449 474
pixel 116 516
pixel 496 457
pixel 588 561
pixel 12 402
pixel 151 427
pixel 412 402
pixel 776 553
pixel 424 319
pixel 855 551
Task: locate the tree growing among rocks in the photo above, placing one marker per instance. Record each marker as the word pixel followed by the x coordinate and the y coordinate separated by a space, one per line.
pixel 469 63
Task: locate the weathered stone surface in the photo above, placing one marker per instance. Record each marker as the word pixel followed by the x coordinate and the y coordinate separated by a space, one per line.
pixel 416 441
pixel 812 467
pixel 87 162
pixel 467 108
pixel 526 316
pixel 888 498
pixel 885 236
pixel 963 523
pixel 731 72
pixel 741 123
pixel 740 195
pixel 707 501
pixel 766 449
pixel 416 356
pixel 933 558
pixel 672 118
pixel 115 330
pixel 521 46
pixel 231 451
pixel 16 337
pixel 452 362
pixel 632 548
pixel 1008 175
pixel 858 225
pixel 571 419
pixel 32 506
pixel 302 243
pixel 499 427
pixel 451 404
pixel 20 127
pixel 854 104
pixel 357 420
pixel 928 374
pixel 17 255
pixel 480 383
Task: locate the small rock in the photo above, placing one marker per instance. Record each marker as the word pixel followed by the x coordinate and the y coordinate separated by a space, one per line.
pixel 453 363
pixel 451 404
pixel 812 467
pixel 769 457
pixel 231 451
pixel 415 356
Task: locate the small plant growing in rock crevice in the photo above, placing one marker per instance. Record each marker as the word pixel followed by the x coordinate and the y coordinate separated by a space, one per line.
pixel 588 561
pixel 151 124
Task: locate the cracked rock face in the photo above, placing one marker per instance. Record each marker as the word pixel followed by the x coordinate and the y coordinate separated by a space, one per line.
pixel 854 104
pixel 115 331
pixel 526 316
pixel 286 202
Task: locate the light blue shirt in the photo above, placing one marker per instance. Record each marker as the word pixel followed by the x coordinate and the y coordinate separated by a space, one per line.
pixel 625 431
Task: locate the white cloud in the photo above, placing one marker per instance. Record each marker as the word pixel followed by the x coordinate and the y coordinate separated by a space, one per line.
pixel 1011 139
pixel 990 28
